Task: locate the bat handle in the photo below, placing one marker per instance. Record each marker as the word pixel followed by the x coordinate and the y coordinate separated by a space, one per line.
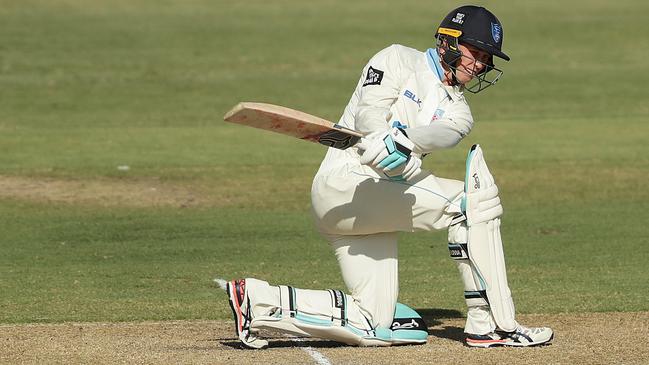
pixel 363 145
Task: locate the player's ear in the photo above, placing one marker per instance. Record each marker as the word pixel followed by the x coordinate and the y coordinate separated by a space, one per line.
pixel 442 46
pixel 441 49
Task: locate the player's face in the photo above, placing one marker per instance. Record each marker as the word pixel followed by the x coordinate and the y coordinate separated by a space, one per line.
pixel 472 62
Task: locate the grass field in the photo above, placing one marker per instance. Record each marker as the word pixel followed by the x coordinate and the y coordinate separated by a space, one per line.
pixel 90 87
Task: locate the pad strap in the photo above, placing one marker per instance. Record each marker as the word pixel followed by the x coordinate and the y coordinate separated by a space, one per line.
pixel 476 298
pixel 458 219
pixel 458 251
pixel 338 307
pixel 287 300
pixel 457 244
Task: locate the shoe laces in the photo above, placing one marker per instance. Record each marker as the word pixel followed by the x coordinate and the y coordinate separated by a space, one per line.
pixel 529 330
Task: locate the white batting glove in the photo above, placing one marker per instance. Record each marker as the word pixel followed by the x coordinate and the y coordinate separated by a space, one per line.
pixel 391 153
pixel 408 171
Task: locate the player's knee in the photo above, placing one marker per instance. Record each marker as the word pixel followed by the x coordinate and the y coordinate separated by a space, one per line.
pixel 407 328
pixel 481 202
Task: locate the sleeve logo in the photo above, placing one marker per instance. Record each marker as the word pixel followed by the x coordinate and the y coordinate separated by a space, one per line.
pixel 374 77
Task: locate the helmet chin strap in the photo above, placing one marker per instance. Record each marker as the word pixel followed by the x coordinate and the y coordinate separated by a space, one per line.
pixel 451 56
pixel 454 80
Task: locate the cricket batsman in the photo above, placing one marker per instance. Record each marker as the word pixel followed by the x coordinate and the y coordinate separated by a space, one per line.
pixel 409 104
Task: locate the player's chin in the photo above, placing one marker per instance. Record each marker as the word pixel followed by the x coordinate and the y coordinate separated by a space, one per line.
pixel 464 77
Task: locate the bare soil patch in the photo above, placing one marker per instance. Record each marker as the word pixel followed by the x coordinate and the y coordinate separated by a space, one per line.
pixel 99 191
pixel 594 338
pixel 146 192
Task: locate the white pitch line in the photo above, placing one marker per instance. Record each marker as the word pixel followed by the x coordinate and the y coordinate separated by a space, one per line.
pixel 319 358
pixel 315 355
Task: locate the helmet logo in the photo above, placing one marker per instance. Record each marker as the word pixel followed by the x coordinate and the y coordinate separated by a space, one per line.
pixel 459 18
pixel 496 32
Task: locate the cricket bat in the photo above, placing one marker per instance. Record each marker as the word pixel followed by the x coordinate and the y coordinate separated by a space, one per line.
pixel 292 123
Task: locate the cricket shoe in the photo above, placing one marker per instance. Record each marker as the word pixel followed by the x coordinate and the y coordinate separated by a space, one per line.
pixel 240 304
pixel 521 337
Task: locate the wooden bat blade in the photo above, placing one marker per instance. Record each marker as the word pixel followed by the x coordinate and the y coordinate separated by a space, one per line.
pixel 293 123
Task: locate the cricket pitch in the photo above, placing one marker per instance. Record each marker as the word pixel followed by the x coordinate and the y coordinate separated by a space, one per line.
pixel 597 338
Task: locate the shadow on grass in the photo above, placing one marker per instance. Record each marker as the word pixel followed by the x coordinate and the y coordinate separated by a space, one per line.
pixel 289 342
pixel 449 332
pixel 433 316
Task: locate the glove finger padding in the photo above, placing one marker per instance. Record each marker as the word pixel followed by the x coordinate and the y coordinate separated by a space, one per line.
pixel 387 150
pixel 392 161
pixel 373 149
pixel 406 171
pixel 413 168
pixel 380 155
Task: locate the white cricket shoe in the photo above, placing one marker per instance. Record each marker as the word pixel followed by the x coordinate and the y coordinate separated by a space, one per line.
pixel 240 304
pixel 522 337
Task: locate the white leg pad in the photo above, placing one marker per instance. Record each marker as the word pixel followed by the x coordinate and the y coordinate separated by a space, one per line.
pixel 328 314
pixel 331 314
pixel 479 319
pixel 485 251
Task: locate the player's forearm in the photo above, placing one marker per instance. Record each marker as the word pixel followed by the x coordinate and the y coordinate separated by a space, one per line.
pixel 440 135
pixel 373 113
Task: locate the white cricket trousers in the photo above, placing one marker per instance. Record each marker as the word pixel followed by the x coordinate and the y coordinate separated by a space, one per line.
pixel 360 214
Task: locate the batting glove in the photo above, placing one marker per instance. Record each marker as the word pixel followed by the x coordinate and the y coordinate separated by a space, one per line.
pixel 391 153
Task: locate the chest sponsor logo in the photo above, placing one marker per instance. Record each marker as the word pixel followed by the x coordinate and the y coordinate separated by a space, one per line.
pixel 410 95
pixel 439 113
pixel 374 77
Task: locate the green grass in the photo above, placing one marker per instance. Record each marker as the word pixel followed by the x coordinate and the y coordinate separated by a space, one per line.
pixel 89 86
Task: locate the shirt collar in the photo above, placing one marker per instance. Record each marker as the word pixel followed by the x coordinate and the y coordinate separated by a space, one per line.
pixel 435 65
pixel 433 62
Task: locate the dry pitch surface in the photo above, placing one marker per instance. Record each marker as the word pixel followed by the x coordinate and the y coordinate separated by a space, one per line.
pixel 600 338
